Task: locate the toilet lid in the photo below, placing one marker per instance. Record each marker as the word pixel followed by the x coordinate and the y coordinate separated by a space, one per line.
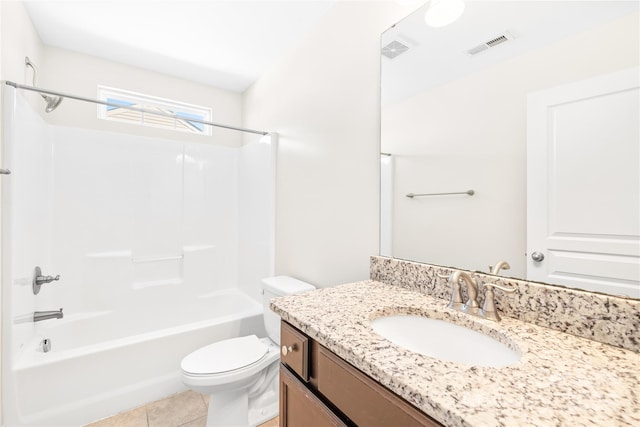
pixel 224 356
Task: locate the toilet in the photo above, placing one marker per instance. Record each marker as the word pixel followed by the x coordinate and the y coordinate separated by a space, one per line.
pixel 241 374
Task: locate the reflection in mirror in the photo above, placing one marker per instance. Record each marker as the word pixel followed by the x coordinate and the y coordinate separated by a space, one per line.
pixel 533 105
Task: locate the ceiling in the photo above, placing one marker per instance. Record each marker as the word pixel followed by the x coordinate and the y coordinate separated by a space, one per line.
pixel 226 44
pixel 436 56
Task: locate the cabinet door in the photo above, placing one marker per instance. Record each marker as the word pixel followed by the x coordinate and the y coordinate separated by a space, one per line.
pixel 299 407
pixel 363 400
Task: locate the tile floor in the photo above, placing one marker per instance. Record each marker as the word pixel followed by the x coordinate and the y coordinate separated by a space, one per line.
pixel 186 409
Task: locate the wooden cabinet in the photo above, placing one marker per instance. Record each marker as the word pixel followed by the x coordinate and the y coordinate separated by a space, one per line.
pixel 299 406
pixel 295 350
pixel 317 388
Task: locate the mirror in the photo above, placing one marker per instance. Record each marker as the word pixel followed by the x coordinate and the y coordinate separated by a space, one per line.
pixel 454 117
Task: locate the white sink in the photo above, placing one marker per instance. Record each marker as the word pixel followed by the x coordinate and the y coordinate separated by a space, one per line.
pixel 443 340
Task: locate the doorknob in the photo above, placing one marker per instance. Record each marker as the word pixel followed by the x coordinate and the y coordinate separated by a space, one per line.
pixel 537 256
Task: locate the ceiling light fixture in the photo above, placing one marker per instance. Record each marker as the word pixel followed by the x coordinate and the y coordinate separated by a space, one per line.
pixel 443 12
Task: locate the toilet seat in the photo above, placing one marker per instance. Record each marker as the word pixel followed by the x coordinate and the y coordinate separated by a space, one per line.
pixel 241 377
pixel 225 356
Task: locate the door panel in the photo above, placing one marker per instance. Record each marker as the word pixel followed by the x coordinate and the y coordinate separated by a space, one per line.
pixel 583 184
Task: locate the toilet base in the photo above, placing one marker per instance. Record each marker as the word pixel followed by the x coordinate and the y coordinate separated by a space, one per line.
pixel 228 409
pixel 264 412
pixel 246 407
pixel 232 410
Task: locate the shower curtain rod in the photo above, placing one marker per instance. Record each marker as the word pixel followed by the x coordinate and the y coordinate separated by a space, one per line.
pixel 139 110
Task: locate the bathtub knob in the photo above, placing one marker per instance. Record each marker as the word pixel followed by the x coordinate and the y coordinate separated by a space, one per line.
pixel 286 350
pixel 39 280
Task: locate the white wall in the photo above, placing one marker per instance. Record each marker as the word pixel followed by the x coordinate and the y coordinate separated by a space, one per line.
pixel 19 39
pixel 443 144
pixel 79 74
pixel 323 98
pixel 256 197
pixel 139 219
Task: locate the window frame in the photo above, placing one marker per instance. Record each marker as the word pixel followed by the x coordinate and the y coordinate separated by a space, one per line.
pixel 149 102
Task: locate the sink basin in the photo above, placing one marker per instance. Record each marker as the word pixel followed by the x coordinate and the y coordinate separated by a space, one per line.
pixel 444 340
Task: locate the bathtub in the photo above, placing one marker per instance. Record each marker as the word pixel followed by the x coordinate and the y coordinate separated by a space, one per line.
pixel 102 363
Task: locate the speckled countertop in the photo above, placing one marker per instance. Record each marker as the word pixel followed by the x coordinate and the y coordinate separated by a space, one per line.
pixel 560 380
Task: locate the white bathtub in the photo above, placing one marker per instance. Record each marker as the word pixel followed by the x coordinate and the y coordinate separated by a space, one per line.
pixel 102 363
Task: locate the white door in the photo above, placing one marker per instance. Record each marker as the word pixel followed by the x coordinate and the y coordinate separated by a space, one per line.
pixel 583 184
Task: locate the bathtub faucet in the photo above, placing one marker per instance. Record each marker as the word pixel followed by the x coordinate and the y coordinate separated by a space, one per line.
pixel 45 315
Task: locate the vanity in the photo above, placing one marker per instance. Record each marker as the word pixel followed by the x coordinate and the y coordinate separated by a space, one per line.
pixel 338 371
pixel 317 388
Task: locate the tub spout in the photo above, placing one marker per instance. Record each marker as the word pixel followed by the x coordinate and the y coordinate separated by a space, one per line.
pixel 45 315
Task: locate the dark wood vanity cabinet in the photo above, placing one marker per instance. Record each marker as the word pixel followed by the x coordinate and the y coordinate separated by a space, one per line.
pixel 299 406
pixel 317 388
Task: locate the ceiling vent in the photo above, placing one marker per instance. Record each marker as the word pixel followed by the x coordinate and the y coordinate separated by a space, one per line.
pixel 394 49
pixel 493 42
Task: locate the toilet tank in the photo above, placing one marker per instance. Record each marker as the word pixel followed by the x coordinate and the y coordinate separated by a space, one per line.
pixel 276 287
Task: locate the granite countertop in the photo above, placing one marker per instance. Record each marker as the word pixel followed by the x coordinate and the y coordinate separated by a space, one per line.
pixel 560 380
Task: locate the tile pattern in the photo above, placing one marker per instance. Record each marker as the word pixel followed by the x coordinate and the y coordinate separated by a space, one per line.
pixel 603 318
pixel 134 418
pixel 560 380
pixel 176 410
pixel 186 409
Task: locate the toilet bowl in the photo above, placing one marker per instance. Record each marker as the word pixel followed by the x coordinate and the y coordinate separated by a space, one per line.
pixel 240 375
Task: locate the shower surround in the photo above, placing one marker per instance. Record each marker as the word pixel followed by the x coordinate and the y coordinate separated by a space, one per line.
pixel 160 245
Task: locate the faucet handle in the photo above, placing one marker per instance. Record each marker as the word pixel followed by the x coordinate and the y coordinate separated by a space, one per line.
pixel 489 310
pixel 47 279
pixel 502 288
pixel 39 279
pixel 456 296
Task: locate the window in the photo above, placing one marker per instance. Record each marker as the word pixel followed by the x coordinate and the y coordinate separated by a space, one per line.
pixel 150 103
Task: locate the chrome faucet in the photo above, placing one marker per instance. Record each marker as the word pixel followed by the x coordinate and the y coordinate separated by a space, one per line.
pixel 45 315
pixel 501 265
pixel 471 306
